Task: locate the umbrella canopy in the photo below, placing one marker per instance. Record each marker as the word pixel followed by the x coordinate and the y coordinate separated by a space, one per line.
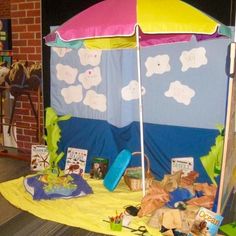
pixel 159 21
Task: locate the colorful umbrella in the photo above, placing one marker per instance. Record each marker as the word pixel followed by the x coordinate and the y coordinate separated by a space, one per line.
pixel 133 24
pixel 160 21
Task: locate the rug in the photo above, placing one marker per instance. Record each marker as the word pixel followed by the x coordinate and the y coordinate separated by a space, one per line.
pixel 71 186
pixel 86 212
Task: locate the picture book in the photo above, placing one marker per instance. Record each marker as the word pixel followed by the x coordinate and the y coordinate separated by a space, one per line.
pixel 39 157
pixel 186 164
pixel 76 161
pixel 206 223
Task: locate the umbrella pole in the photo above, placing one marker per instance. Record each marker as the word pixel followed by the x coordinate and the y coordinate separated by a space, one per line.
pixel 140 108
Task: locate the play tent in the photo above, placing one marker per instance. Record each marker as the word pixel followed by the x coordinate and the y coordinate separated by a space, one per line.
pixel 184 97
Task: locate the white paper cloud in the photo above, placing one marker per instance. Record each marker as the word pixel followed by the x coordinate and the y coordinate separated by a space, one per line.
pixel 66 73
pixel 181 93
pixel 61 52
pixel 89 57
pixel 91 77
pixel 193 58
pixel 131 91
pixel 3 72
pixel 72 94
pixel 95 101
pixel 157 65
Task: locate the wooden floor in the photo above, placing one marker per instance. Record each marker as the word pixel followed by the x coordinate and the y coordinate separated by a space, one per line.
pixel 10 169
pixel 14 222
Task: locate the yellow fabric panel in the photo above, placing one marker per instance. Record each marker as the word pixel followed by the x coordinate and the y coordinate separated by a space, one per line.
pixel 87 212
pixel 154 17
pixel 111 43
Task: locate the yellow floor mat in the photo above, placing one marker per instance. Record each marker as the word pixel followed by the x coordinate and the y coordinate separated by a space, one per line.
pixel 87 212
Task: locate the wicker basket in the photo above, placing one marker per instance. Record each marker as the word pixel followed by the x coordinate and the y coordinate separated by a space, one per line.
pixel 133 175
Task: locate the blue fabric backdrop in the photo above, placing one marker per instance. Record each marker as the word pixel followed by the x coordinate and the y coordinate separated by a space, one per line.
pixel 184 98
pixel 162 142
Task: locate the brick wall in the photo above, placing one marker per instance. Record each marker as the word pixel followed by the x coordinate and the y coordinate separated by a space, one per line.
pixel 5 9
pixel 26 30
pixel 26 45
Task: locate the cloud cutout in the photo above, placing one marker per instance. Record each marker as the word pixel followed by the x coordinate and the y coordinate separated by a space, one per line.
pixel 66 73
pixel 72 94
pixel 95 101
pixel 89 57
pixel 181 93
pixel 91 77
pixel 193 58
pixel 61 52
pixel 131 91
pixel 157 65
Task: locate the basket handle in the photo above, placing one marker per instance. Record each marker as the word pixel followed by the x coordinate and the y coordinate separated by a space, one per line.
pixel 146 159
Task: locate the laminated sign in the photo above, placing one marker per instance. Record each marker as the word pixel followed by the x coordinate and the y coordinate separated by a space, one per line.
pixel 186 164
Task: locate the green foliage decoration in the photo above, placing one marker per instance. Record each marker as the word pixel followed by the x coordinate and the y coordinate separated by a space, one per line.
pixel 213 160
pixel 52 137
